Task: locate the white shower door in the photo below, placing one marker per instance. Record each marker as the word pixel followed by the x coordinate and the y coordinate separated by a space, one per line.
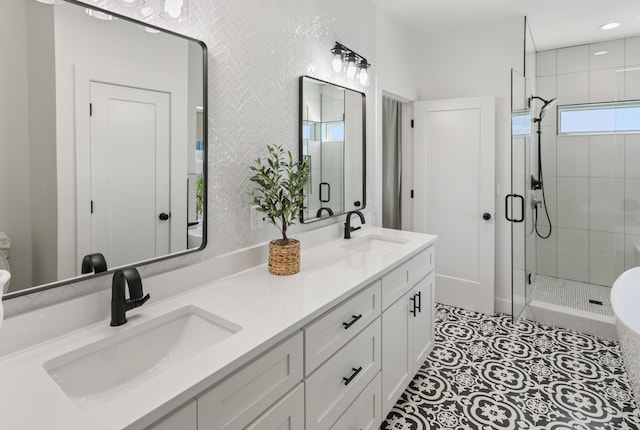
pixel 129 145
pixel 454 182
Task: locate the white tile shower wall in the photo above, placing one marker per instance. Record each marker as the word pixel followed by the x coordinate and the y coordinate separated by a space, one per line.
pixel 257 50
pixel 597 234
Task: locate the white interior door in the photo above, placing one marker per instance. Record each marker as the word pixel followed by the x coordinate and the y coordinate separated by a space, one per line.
pixel 454 182
pixel 130 151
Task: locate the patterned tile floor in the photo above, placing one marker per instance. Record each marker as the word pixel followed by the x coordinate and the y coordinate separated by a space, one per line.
pixel 487 373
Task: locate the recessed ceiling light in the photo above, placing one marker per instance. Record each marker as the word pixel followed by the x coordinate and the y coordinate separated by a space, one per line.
pixel 600 52
pixel 610 26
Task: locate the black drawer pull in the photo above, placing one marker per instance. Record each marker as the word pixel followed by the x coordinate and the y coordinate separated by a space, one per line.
pixel 419 306
pixel 353 375
pixel 352 322
pixel 413 305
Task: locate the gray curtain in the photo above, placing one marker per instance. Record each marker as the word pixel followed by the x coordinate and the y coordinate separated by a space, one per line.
pixel 391 164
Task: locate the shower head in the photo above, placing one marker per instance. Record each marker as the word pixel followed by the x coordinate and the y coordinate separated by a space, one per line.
pixel 546 104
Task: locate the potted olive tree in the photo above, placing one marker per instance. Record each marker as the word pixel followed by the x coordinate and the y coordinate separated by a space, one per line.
pixel 278 194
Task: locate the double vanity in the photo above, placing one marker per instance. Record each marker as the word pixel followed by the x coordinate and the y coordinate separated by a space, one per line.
pixel 220 344
pixel 332 347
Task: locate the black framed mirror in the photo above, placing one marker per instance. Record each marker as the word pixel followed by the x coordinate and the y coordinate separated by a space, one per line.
pixel 105 149
pixel 333 139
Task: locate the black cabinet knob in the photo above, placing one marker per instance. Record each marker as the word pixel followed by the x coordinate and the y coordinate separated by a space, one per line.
pixel 163 216
pixel 486 216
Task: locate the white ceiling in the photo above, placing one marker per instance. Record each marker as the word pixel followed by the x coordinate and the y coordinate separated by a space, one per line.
pixel 554 23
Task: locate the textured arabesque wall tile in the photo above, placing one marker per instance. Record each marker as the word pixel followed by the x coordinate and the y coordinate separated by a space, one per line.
pixel 257 50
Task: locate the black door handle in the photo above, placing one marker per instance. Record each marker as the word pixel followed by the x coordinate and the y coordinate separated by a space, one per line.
pixel 353 375
pixel 414 305
pixel 352 322
pixel 163 216
pixel 506 207
pixel 486 216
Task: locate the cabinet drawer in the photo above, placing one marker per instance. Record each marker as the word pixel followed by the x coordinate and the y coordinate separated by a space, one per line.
pixel 241 398
pixel 395 284
pixel 287 414
pixel 331 388
pixel 366 412
pixel 184 418
pixel 330 332
pixel 422 264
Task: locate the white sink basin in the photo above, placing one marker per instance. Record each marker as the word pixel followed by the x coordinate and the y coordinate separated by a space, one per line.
pixel 110 366
pixel 375 243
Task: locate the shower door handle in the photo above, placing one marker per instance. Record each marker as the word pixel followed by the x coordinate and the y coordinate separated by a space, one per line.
pixel 506 207
pixel 326 186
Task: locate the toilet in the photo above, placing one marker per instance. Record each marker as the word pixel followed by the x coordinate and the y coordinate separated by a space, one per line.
pixel 5 245
pixel 4 265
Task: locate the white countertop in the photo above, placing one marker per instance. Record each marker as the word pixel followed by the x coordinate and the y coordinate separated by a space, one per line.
pixel 268 308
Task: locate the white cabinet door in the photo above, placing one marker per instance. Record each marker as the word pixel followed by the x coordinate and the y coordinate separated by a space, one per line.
pixel 396 352
pixel 287 414
pixel 184 418
pixel 407 339
pixel 422 321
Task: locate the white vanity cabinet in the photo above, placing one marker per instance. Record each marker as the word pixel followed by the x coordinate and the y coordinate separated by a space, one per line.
pixel 343 371
pixel 407 324
pixel 184 418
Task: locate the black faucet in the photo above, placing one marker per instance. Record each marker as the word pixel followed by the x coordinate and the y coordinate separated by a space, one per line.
pixel 347 225
pixel 94 263
pixel 328 210
pixel 119 304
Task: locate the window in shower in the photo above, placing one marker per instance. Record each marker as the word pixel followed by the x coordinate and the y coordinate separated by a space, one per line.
pixel 599 118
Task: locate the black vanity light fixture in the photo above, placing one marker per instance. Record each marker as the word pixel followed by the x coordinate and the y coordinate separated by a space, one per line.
pixel 353 64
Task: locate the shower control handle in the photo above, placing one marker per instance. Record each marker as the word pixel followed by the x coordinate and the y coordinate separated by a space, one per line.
pixel 486 216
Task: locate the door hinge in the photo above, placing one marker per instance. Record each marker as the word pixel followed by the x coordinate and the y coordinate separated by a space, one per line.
pixel 91 206
pixel 411 193
pixel 411 123
pixel 90 109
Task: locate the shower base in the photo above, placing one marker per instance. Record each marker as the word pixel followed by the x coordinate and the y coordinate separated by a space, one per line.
pixel 570 304
pixel 572 294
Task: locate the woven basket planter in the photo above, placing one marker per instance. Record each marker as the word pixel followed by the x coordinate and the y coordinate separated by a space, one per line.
pixel 284 259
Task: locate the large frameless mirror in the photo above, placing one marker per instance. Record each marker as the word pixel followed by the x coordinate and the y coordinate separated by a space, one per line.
pixel 103 143
pixel 332 138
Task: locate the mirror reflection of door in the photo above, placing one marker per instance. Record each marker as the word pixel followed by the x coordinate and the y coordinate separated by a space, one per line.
pixel 130 144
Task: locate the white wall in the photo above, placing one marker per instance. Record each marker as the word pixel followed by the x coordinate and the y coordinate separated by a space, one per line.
pixel 398 77
pixel 473 62
pixel 592 183
pixel 15 211
pixel 43 264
